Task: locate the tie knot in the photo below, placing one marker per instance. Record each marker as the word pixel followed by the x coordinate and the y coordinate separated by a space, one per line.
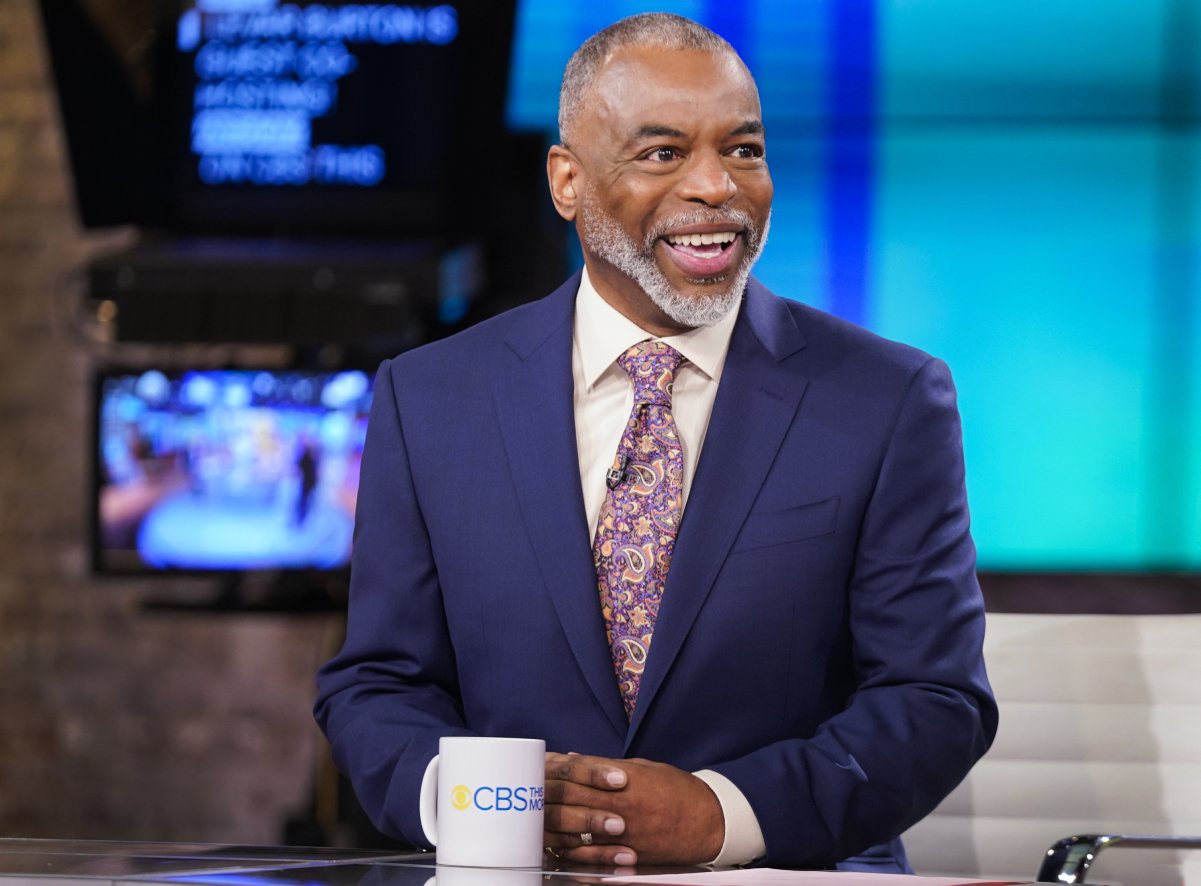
pixel 651 366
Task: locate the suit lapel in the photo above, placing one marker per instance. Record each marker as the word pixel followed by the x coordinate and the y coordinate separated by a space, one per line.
pixel 756 403
pixel 535 410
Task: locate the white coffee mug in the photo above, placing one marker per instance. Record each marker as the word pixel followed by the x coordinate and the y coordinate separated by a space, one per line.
pixel 481 801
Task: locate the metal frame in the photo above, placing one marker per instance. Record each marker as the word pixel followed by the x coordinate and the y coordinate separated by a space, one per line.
pixel 1068 860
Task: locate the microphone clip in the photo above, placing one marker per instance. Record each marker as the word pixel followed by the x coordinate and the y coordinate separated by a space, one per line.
pixel 617 473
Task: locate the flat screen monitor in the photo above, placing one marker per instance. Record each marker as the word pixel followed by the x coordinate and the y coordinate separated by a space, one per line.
pixel 226 470
pixel 276 118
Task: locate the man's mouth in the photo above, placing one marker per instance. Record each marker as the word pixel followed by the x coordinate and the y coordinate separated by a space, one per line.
pixel 706 245
pixel 702 255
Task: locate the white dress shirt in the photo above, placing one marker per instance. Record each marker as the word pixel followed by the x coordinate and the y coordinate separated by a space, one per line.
pixel 604 397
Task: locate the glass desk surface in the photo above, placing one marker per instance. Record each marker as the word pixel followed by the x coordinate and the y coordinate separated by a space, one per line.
pixel 88 860
pixel 85 862
pixel 28 862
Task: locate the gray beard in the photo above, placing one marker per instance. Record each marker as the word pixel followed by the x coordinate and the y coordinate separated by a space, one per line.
pixel 603 235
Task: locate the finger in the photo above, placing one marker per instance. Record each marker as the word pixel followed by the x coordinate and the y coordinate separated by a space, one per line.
pixel 562 843
pixel 600 772
pixel 580 819
pixel 562 840
pixel 596 772
pixel 568 793
pixel 606 855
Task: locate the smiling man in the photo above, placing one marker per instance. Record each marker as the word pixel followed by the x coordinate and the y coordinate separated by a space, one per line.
pixel 663 167
pixel 710 544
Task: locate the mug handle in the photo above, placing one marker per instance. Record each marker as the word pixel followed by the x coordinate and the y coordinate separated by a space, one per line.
pixel 429 801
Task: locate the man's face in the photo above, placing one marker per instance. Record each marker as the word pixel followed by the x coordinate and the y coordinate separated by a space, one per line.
pixel 671 187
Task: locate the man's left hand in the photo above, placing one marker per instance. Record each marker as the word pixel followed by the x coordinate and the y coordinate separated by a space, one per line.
pixel 636 811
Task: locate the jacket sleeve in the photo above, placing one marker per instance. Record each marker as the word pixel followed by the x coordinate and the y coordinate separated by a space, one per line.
pixel 922 712
pixel 393 689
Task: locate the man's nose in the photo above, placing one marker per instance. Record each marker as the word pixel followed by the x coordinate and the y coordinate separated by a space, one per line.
pixel 706 180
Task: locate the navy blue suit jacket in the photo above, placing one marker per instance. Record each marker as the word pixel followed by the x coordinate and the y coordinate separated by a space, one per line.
pixel 819 641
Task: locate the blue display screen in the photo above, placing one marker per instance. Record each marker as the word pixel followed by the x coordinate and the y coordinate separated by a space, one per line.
pixel 228 470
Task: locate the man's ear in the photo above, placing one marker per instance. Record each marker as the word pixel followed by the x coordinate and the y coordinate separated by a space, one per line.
pixel 562 168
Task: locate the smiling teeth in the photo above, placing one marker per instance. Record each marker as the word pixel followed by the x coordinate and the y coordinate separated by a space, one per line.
pixel 701 239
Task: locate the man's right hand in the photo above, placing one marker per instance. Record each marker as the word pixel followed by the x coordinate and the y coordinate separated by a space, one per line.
pixel 626 812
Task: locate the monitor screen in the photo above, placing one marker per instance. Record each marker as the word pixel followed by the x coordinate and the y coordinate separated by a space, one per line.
pixel 332 116
pixel 229 470
pixel 275 118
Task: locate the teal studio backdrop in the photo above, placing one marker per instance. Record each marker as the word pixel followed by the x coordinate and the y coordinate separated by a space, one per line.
pixel 1012 185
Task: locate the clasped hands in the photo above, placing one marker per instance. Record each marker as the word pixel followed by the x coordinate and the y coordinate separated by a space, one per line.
pixel 624 812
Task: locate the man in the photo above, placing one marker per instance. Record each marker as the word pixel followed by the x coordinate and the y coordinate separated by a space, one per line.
pixel 767 596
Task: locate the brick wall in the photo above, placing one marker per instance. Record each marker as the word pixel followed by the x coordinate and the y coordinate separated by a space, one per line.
pixel 114 722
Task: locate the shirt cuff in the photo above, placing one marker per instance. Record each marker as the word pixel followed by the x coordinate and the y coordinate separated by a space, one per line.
pixel 744 838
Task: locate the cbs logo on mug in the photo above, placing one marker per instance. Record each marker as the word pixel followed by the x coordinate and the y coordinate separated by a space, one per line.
pixel 496 798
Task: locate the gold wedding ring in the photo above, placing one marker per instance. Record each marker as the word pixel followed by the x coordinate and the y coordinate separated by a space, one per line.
pixel 586 839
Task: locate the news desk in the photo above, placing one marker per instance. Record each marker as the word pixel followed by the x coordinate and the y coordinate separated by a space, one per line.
pixel 103 863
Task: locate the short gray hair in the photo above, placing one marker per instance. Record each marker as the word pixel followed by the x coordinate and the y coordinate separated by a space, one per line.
pixel 657 30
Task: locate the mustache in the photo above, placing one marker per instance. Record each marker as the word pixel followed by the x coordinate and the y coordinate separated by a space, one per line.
pixel 701 216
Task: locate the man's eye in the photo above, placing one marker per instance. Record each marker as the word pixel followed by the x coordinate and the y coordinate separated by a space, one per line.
pixel 663 155
pixel 748 152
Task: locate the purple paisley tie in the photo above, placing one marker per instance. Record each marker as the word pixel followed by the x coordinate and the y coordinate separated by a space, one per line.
pixel 636 532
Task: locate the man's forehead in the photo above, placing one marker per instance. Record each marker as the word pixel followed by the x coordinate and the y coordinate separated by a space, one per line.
pixel 641 67
pixel 651 91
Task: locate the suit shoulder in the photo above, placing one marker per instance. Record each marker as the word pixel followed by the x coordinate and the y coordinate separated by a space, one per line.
pixel 831 336
pixel 848 336
pixel 473 353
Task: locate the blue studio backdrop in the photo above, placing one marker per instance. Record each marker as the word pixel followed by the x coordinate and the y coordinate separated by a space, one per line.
pixel 1012 186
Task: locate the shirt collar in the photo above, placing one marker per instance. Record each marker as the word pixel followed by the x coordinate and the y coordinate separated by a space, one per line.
pixel 602 334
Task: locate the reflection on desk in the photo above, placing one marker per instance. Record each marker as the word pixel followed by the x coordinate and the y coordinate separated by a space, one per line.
pixel 92 863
